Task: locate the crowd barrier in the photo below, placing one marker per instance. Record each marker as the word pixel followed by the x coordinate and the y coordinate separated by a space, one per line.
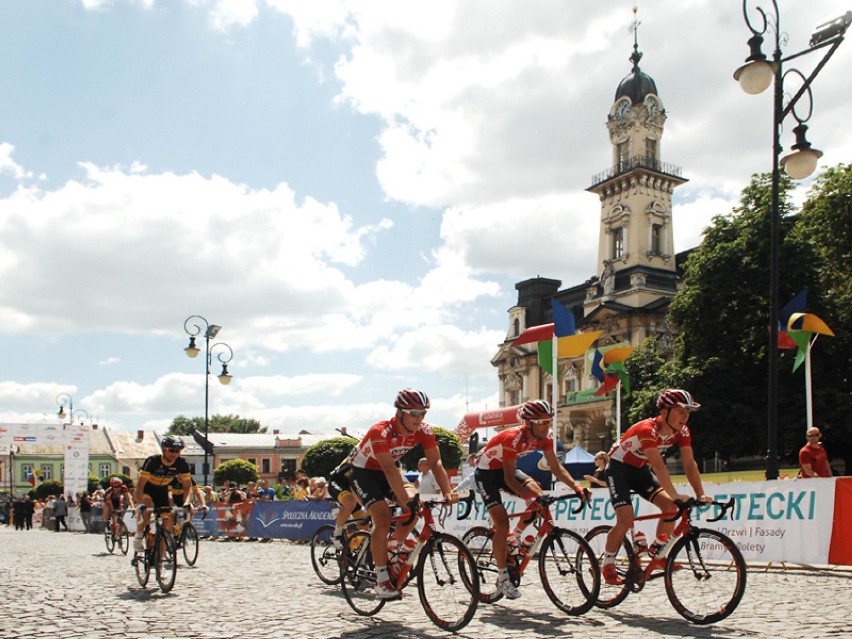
pixel 798 521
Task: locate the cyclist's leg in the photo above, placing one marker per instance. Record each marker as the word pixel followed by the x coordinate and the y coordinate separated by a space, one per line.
pixel 531 490
pixel 372 489
pixel 142 520
pixel 402 532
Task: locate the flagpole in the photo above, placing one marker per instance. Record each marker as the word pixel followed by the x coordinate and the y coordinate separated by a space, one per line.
pixel 618 411
pixel 554 391
pixel 808 393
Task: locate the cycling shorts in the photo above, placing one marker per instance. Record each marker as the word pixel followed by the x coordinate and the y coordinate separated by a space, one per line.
pixel 489 483
pixel 622 479
pixel 371 486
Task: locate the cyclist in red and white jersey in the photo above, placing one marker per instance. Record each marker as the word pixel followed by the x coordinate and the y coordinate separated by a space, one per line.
pixel 631 462
pixel 496 470
pixel 376 478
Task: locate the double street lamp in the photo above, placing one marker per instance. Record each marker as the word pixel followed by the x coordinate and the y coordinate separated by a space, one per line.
pixel 754 77
pixel 65 400
pixel 195 325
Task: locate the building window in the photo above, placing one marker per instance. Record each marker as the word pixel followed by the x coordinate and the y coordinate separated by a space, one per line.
pixel 517 327
pixel 252 460
pixel 622 152
pixel 651 148
pixel 617 243
pixel 192 468
pixel 265 465
pixel 105 470
pixel 62 471
pixel 125 470
pixel 46 471
pixel 656 239
pixel 26 469
pixel 288 468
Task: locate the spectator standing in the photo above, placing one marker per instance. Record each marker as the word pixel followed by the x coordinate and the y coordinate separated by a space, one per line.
pixel 264 492
pixel 18 513
pixel 29 510
pixel 813 458
pixel 60 511
pixel 302 489
pixel 598 478
pixel 85 504
pixel 427 484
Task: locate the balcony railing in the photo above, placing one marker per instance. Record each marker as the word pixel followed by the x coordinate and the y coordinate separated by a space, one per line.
pixel 636 162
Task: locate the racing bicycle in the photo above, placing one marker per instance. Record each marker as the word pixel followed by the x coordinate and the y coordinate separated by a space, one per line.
pixel 447 580
pixel 116 533
pixel 186 534
pixel 160 553
pixel 704 572
pixel 567 565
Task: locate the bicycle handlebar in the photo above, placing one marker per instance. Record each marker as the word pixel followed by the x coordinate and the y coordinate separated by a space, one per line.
pixel 689 504
pixel 468 504
pixel 413 510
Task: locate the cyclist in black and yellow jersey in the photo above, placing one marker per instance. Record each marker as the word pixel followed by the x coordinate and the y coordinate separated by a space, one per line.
pixel 152 490
pixel 340 490
pixel 177 494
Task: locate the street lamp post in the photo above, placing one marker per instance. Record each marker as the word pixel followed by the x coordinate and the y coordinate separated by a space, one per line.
pixel 80 413
pixel 754 77
pixel 63 400
pixel 195 325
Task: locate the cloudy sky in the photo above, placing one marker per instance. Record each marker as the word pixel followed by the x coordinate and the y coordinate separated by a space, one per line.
pixel 350 189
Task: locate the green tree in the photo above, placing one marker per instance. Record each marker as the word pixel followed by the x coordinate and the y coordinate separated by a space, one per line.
pixel 825 227
pixel 323 457
pixel 724 309
pixel 448 445
pixel 218 424
pixel 48 487
pixel 238 470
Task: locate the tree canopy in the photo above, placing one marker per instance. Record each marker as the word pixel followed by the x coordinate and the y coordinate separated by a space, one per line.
pixel 218 424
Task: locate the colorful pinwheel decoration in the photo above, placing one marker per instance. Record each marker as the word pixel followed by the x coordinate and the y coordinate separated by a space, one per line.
pixel 800 328
pixel 608 369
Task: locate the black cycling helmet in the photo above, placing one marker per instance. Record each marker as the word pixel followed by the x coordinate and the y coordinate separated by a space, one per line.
pixel 408 399
pixel 172 441
pixel 535 409
pixel 677 397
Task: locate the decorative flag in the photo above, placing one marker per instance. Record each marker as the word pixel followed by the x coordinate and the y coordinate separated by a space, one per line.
pixel 798 304
pixel 597 369
pixel 31 478
pixel 563 319
pixel 800 327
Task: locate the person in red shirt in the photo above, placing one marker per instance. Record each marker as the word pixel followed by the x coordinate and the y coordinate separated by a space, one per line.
pixel 813 458
pixel 496 470
pixel 376 478
pixel 631 462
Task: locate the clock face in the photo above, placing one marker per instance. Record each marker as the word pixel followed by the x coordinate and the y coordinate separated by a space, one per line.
pixel 653 106
pixel 622 109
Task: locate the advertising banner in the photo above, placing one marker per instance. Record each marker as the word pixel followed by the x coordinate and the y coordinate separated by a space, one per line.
pixel 76 477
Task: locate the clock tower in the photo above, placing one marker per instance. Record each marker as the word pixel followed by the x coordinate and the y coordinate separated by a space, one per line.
pixel 636 246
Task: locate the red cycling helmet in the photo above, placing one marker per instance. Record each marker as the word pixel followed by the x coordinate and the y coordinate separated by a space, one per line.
pixel 116 481
pixel 677 397
pixel 535 409
pixel 408 399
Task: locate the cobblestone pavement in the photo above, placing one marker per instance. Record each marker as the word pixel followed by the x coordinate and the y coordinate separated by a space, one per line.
pixel 66 586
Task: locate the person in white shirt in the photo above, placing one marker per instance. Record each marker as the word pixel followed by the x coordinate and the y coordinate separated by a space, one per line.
pixel 427 485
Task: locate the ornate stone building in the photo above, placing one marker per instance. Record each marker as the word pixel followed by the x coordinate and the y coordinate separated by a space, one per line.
pixel 637 266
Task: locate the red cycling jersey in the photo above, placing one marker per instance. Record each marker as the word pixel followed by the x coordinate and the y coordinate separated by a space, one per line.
pixel 507 446
pixel 644 435
pixel 387 437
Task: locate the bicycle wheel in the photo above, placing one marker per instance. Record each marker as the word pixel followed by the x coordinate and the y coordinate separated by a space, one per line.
pixel 705 576
pixel 165 562
pixel 189 543
pixel 109 538
pixel 612 595
pixel 142 563
pixel 478 541
pixel 447 582
pixel 569 571
pixel 123 538
pixel 325 558
pixel 358 575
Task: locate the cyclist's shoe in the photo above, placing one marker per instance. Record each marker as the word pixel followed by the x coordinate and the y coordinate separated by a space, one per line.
pixel 387 590
pixel 337 542
pixel 138 544
pixel 506 586
pixel 610 575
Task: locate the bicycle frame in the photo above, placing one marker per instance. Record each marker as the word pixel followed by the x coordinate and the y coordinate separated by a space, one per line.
pixel 683 528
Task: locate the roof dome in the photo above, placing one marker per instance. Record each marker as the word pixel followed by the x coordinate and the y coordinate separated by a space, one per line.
pixel 637 85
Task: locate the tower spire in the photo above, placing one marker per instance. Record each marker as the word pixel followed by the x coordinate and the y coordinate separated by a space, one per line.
pixel 634 27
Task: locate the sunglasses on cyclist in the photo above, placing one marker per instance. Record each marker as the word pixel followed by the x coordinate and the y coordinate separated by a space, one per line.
pixel 541 421
pixel 173 450
pixel 414 412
